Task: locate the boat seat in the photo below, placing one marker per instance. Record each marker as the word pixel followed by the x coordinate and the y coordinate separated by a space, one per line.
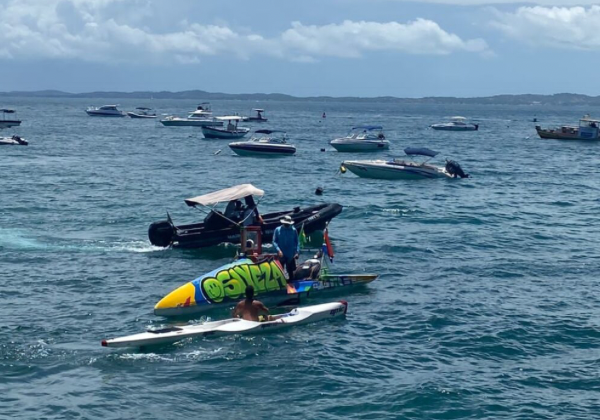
pixel 216 220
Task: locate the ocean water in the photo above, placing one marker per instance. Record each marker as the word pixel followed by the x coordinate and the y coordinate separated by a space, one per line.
pixel 486 308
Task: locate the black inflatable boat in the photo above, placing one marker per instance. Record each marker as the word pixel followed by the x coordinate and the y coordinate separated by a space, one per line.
pixel 220 228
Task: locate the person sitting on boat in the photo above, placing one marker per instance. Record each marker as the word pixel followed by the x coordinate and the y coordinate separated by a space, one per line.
pixel 309 269
pixel 230 126
pixel 287 245
pixel 233 209
pixel 250 309
pixel 250 216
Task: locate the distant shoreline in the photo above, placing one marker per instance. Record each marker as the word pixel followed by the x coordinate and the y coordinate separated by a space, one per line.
pixel 200 95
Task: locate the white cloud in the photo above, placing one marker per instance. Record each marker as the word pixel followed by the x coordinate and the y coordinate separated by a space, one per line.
pixel 492 2
pixel 561 27
pixel 112 31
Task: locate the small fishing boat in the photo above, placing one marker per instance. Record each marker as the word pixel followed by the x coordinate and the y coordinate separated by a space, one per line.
pixel 364 138
pixel 403 169
pixel 142 112
pixel 105 111
pixel 230 132
pixel 456 124
pixel 265 143
pixel 587 130
pixel 259 117
pixel 298 316
pixel 9 118
pixel 224 227
pixel 13 141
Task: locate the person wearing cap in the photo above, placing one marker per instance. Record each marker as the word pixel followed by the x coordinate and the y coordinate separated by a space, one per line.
pixel 287 245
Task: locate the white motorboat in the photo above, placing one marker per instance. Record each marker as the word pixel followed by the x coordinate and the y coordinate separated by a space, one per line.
pixel 230 132
pixel 456 124
pixel 402 169
pixel 11 120
pixel 298 316
pixel 201 117
pixel 365 138
pixel 264 143
pixel 105 111
pixel 259 117
pixel 142 112
pixel 13 141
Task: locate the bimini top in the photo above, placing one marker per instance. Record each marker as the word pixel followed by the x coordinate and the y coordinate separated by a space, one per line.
pixel 258 110
pixel 228 194
pixel 458 118
pixel 108 107
pixel 368 127
pixel 8 111
pixel 269 131
pixel 230 118
pixel 422 151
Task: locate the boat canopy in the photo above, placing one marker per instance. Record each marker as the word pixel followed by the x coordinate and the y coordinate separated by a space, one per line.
pixel 228 194
pixel 258 110
pixel 230 118
pixel 422 151
pixel 458 118
pixel 143 108
pixel 8 111
pixel 368 127
pixel 269 131
pixel 108 106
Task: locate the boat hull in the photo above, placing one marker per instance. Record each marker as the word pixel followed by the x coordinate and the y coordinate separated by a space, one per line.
pixel 199 235
pixel 225 286
pixel 191 123
pixel 382 170
pixel 454 128
pixel 141 116
pixel 360 146
pixel 105 114
pixel 216 133
pixel 12 141
pixel 298 316
pixel 573 134
pixel 9 123
pixel 249 149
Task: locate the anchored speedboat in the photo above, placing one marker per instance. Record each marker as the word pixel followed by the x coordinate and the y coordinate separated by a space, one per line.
pixel 403 169
pixel 364 138
pixel 231 131
pixel 10 120
pixel 13 141
pixel 456 124
pixel 142 112
pixel 259 117
pixel 266 143
pixel 201 117
pixel 224 227
pixel 105 111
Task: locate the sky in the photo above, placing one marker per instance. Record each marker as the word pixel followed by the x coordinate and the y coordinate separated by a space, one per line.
pixel 304 48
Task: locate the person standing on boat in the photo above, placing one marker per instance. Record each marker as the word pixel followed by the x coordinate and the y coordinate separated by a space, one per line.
pixel 287 245
pixel 250 309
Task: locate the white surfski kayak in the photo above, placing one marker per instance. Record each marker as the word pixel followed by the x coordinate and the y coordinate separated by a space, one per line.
pixel 297 316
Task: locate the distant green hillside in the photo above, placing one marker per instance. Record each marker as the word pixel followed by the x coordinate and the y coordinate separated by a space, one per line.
pixel 525 99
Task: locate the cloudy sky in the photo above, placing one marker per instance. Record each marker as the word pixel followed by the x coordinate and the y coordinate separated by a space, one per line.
pixel 304 48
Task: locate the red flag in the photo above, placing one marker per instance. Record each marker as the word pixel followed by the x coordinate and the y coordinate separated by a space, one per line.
pixel 328 244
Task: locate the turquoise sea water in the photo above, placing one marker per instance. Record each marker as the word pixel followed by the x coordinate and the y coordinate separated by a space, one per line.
pixel 487 305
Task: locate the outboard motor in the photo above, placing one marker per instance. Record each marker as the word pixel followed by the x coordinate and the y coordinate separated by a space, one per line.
pixel 19 140
pixel 160 233
pixel 454 169
pixel 476 127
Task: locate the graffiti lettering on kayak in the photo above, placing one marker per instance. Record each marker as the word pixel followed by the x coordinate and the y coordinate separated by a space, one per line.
pixel 230 283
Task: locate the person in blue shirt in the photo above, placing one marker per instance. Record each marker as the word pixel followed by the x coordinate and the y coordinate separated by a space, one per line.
pixel 287 245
